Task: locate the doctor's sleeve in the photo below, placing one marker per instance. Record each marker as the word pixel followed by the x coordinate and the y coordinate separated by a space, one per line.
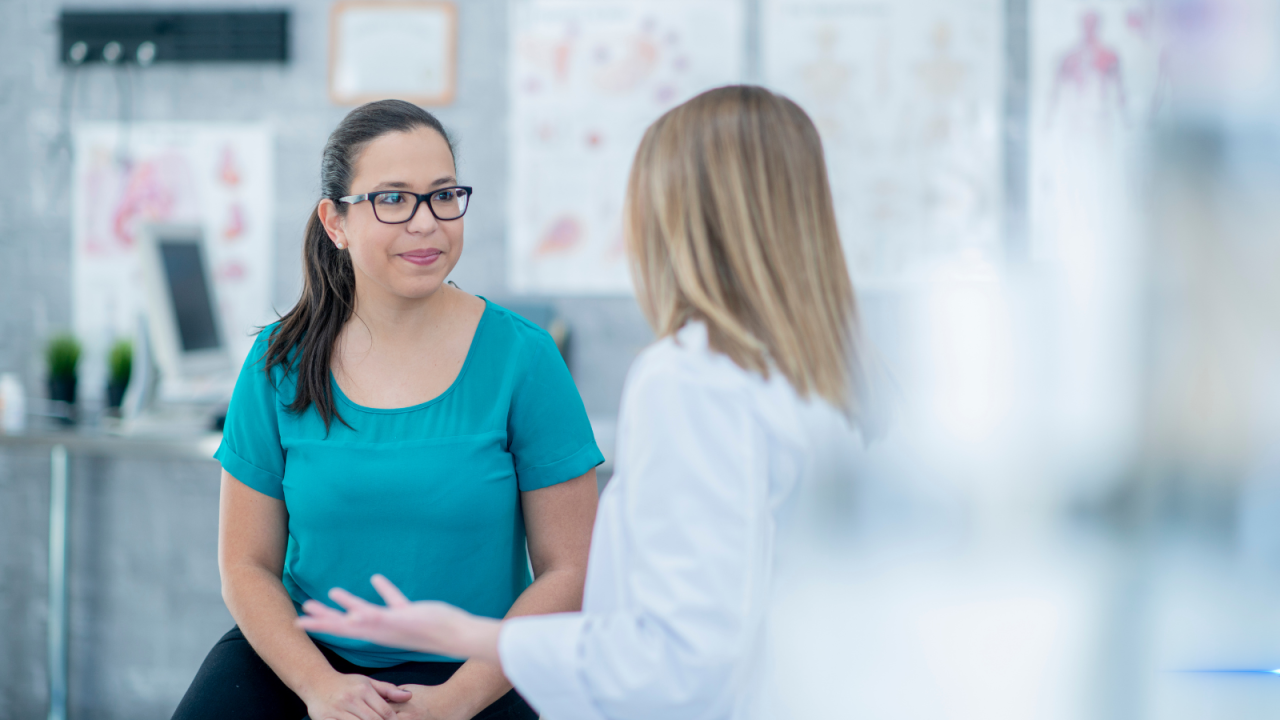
pixel 694 505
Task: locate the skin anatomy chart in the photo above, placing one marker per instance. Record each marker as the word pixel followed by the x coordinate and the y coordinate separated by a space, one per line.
pixel 218 177
pixel 587 77
pixel 906 95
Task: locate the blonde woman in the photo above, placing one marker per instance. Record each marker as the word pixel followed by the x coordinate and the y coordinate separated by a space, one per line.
pixel 738 268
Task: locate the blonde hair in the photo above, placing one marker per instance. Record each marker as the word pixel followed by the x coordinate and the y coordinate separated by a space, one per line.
pixel 730 221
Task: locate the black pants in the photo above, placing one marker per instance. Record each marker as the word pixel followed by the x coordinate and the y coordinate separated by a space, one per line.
pixel 234 682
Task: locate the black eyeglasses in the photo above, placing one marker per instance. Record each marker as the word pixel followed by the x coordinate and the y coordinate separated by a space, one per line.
pixel 394 207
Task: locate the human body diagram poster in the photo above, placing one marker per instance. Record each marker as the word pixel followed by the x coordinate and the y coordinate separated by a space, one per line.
pixel 1099 78
pixel 216 176
pixel 907 97
pixel 586 78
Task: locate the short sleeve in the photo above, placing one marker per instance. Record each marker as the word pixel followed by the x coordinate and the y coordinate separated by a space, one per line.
pixel 547 428
pixel 250 449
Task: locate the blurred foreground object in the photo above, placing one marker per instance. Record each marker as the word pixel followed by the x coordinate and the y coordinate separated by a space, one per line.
pixel 1080 500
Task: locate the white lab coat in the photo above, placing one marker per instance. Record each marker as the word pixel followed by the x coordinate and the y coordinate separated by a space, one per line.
pixel 677 588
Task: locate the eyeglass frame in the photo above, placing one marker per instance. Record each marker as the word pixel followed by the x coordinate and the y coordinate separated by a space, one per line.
pixel 421 198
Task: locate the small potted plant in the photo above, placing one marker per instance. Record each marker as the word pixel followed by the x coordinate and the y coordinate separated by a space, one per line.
pixel 62 355
pixel 119 368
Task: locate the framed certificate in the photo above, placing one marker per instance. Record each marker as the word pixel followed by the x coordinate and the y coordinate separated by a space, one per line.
pixel 404 49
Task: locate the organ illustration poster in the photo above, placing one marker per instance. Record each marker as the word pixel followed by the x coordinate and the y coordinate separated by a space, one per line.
pixel 586 78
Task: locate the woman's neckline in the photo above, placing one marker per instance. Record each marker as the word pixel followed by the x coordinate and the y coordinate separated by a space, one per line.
pixel 466 363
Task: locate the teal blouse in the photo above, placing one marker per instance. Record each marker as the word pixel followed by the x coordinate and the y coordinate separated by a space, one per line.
pixel 428 495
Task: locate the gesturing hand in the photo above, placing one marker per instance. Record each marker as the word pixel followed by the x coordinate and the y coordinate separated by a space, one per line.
pixel 347 697
pixel 426 626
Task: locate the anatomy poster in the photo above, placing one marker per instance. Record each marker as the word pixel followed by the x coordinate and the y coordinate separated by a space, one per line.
pixel 216 176
pixel 907 96
pixel 586 78
pixel 1099 78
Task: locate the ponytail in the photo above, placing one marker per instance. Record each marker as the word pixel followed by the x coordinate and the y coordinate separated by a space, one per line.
pixel 313 325
pixel 305 337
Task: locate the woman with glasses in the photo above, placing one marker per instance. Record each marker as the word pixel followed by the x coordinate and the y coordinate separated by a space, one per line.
pixel 391 422
pixel 750 390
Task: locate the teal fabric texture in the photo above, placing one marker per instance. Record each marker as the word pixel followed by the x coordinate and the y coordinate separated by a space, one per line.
pixel 428 495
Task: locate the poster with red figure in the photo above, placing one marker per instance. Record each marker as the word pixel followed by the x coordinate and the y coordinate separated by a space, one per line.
pixel 1099 80
pixel 217 176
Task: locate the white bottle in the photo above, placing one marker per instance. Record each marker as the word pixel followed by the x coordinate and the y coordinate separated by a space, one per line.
pixel 13 404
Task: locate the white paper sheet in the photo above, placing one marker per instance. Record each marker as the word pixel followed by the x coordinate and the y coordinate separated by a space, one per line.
pixel 404 51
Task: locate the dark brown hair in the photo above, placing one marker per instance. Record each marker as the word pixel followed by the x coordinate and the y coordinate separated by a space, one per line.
pixel 305 337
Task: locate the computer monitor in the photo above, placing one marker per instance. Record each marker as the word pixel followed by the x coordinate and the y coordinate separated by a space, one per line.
pixel 182 310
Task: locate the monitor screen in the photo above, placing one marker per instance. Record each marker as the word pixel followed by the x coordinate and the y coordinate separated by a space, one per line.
pixel 190 294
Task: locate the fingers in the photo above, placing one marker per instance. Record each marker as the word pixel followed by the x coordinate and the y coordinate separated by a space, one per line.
pixel 361 713
pixel 365 703
pixel 317 609
pixel 364 712
pixel 361 618
pixel 340 625
pixel 392 693
pixel 343 625
pixel 320 618
pixel 357 697
pixel 376 708
pixel 349 601
pixel 389 592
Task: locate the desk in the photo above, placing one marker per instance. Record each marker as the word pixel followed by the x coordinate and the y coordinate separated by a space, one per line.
pixel 61 445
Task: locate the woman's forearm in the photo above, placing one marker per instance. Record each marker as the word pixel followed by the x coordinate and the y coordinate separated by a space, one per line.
pixel 262 608
pixel 479 681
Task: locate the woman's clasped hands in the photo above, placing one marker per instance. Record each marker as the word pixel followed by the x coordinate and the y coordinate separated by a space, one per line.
pixel 357 696
pixel 343 697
